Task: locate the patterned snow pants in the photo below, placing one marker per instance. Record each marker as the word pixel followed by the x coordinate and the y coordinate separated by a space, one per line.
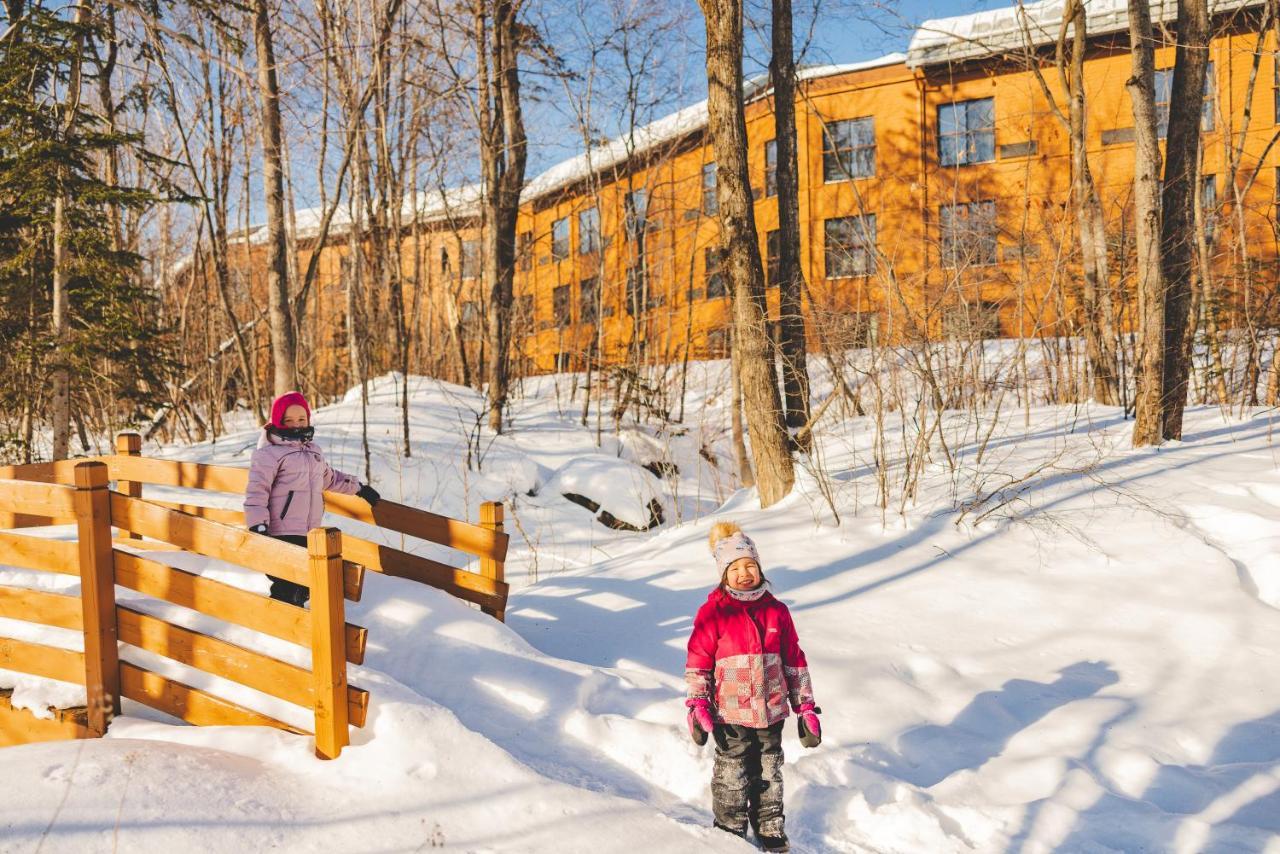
pixel 746 785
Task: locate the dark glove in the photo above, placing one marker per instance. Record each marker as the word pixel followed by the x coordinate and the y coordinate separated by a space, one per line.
pixel 368 493
pixel 260 528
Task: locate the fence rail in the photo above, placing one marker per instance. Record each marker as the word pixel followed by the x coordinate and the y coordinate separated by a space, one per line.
pixel 333 565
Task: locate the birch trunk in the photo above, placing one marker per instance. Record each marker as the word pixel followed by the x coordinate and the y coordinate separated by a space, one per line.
pixel 283 343
pixel 756 358
pixel 1149 361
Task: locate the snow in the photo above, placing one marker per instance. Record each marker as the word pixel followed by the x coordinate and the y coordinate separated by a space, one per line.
pixel 1091 668
pixel 1011 28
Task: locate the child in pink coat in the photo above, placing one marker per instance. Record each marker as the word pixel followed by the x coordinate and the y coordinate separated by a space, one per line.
pixel 744 665
pixel 288 477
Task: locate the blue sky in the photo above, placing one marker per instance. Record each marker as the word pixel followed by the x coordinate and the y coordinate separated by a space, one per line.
pixel 847 31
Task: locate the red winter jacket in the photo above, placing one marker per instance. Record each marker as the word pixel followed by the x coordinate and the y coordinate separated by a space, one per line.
pixel 746 658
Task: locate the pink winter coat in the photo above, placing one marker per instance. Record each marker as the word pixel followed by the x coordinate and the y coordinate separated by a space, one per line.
pixel 287 479
pixel 746 658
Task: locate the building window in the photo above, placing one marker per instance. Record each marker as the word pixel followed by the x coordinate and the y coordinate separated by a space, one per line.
pixel 522 313
pixel 710 204
pixel 1164 91
pixel 848 149
pixel 588 297
pixel 560 238
pixel 771 168
pixel 772 258
pixel 1209 206
pixel 968 233
pixel 713 272
pixel 1275 91
pixel 967 132
pixel 636 204
pixel 524 249
pixel 561 307
pixel 975 321
pixel 849 246
pixel 718 343
pixel 589 231
pixel 470 259
pixel 446 268
pixel 471 324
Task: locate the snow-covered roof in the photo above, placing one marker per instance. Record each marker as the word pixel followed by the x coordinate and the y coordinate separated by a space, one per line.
pixel 669 129
pixel 999 30
pixel 439 204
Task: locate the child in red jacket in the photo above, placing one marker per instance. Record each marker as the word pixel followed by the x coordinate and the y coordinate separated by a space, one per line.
pixel 744 665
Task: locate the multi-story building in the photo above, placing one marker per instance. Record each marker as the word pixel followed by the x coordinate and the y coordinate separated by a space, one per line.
pixel 934 201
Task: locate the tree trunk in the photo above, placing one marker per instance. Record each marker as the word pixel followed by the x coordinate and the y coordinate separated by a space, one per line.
pixel 1149 361
pixel 756 358
pixel 782 71
pixel 1181 186
pixel 1099 314
pixel 745 476
pixel 503 153
pixel 283 342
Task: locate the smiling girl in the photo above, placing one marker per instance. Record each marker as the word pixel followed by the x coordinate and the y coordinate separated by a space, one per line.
pixel 744 664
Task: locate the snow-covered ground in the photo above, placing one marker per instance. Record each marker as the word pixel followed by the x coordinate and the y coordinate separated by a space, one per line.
pixel 1095 666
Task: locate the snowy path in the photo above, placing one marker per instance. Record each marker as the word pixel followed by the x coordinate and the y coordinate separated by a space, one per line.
pixel 1099 675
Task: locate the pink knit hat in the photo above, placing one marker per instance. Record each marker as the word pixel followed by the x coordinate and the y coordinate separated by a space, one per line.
pixel 732 547
pixel 282 403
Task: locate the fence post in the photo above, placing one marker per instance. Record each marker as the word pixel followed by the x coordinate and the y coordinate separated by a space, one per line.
pixel 491 518
pixel 97 596
pixel 129 445
pixel 328 641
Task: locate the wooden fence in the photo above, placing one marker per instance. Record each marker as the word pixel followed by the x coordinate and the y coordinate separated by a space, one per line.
pixel 333 565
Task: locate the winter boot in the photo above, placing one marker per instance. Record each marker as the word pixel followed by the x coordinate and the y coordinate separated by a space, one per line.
pixel 774 843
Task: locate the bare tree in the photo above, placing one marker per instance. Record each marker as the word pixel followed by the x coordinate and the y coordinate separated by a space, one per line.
pixel 791 326
pixel 774 472
pixel 1148 409
pixel 284 348
pixel 503 154
pixel 1178 206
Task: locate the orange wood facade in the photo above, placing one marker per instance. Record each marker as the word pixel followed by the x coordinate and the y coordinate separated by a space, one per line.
pixel 1022 283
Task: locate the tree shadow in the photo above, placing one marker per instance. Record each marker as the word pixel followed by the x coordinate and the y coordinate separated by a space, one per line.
pixel 927 755
pixel 1213 807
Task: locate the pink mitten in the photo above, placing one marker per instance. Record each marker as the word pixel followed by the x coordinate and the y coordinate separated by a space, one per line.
pixel 701 724
pixel 810 726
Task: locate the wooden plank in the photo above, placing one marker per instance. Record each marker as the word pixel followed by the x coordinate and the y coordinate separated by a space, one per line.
pixel 129 445
pixel 37 499
pixel 491 568
pixel 40 554
pixel 59 471
pixel 328 665
pixel 225 602
pixel 459 582
pixel 190 704
pixel 213 655
pixel 220 658
pixel 453 533
pixel 225 515
pixel 10 520
pixel 234 545
pixel 176 473
pixel 145 545
pixel 97 596
pixel 224 542
pixel 37 659
pixel 19 726
pixel 41 606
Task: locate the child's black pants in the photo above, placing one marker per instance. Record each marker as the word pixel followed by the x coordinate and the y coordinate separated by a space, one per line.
pixel 288 591
pixel 746 785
